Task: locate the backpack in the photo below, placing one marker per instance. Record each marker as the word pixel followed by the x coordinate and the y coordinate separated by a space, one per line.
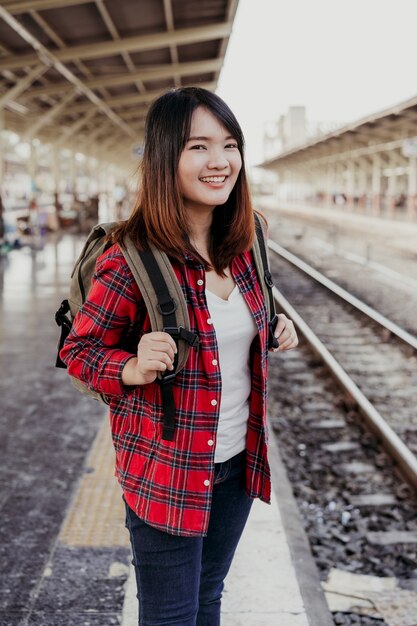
pixel 164 301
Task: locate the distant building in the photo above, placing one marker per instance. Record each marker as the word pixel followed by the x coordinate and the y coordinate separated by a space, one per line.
pixel 292 130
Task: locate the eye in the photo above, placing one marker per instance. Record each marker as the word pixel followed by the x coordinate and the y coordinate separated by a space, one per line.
pixel 198 147
pixel 232 145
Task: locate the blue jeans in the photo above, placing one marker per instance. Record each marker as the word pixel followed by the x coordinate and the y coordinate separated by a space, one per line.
pixel 180 579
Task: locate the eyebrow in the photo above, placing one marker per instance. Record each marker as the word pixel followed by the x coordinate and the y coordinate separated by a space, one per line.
pixel 208 138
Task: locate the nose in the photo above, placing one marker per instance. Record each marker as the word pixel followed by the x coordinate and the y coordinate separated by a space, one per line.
pixel 217 160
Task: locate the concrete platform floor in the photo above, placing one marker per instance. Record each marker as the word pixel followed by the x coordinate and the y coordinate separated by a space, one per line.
pixel 64 550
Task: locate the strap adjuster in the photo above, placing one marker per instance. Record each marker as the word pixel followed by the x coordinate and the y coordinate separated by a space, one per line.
pixel 268 279
pixel 179 332
pixel 168 303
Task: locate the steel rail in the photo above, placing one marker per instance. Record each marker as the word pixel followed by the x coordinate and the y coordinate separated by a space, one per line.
pixel 396 448
pixel 345 295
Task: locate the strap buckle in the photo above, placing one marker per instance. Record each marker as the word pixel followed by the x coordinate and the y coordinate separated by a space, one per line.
pixel 179 332
pixel 61 315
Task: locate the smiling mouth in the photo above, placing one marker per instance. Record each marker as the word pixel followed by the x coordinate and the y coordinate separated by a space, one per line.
pixel 213 179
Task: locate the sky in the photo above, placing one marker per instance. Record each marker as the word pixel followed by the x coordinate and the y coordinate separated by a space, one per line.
pixel 341 59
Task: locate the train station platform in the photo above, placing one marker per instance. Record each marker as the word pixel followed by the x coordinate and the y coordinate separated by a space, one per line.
pixel 64 549
pixel 398 233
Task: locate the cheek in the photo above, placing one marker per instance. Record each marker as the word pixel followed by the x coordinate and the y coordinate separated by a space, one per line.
pixel 237 165
pixel 237 161
pixel 183 175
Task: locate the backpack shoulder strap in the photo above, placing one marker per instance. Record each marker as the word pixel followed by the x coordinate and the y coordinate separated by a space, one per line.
pixel 163 296
pixel 168 312
pixel 260 256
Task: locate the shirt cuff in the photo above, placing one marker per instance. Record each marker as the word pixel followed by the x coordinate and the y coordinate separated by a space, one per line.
pixel 109 380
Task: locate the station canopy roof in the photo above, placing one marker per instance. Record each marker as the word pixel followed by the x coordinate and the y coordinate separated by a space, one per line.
pixel 392 130
pixel 85 71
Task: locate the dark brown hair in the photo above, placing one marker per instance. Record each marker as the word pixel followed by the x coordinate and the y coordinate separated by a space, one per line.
pixel 159 216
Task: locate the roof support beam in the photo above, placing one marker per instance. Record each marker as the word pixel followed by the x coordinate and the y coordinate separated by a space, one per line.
pixel 72 130
pixel 129 44
pixel 105 16
pixel 22 6
pixel 131 100
pixel 169 20
pixel 146 74
pixel 49 58
pixel 22 85
pixel 53 112
pixel 61 44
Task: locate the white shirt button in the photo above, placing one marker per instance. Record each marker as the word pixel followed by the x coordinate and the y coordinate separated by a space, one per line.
pixel 210 442
pixel 200 282
pixel 214 362
pixel 214 402
pixel 207 483
pixel 209 321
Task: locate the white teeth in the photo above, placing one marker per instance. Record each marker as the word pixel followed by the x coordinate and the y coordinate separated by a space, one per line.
pixel 214 179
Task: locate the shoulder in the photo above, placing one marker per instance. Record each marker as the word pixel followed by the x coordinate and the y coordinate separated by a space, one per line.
pixel 111 266
pixel 113 256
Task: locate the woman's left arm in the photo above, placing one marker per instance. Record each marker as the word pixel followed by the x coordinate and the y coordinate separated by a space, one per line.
pixel 285 333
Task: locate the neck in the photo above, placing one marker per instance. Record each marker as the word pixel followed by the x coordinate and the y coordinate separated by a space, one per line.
pixel 200 227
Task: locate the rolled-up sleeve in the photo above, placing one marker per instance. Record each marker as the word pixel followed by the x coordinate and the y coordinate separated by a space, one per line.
pixel 92 350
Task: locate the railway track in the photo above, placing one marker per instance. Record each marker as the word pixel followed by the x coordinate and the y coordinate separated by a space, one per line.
pixel 365 265
pixel 359 512
pixel 382 366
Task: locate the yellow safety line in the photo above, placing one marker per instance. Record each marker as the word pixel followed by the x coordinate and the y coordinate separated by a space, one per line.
pixel 96 516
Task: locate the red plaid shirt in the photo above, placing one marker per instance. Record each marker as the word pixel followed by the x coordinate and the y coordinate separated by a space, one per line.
pixel 168 483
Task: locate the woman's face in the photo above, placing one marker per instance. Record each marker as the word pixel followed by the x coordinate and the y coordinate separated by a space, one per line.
pixel 209 164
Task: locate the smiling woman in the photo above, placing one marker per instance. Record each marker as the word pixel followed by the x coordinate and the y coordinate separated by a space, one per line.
pixel 190 135
pixel 187 497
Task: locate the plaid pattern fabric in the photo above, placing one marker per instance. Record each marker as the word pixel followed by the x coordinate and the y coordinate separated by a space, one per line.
pixel 168 483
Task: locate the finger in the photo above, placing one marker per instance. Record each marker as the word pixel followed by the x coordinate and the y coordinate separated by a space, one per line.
pixel 281 324
pixel 163 357
pixel 163 346
pixel 291 342
pixel 162 336
pixel 157 366
pixel 153 365
pixel 167 337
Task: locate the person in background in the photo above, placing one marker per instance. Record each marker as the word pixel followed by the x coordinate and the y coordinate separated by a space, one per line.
pixel 187 500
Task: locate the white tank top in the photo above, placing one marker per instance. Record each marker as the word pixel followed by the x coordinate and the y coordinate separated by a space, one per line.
pixel 235 330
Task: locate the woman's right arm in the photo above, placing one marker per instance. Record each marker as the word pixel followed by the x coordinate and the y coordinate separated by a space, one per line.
pixel 92 350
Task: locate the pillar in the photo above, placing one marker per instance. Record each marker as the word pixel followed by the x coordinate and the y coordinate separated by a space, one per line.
pixel 351 185
pixel 2 150
pixel 330 185
pixel 412 188
pixel 362 186
pixel 376 185
pixel 32 167
pixel 392 192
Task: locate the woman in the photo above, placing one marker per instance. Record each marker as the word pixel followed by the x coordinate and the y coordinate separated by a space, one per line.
pixel 187 500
